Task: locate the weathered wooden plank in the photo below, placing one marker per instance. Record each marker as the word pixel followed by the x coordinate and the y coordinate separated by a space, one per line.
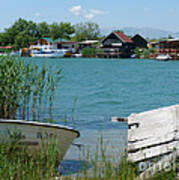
pixel 167 163
pixel 151 141
pixel 155 130
pixel 148 153
pixel 152 134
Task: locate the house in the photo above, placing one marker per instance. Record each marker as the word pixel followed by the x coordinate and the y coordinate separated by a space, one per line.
pixel 48 43
pixel 116 44
pixel 139 41
pixel 45 42
pixel 170 47
pixel 88 44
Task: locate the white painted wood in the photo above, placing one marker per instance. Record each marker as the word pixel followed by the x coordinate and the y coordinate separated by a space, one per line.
pixel 150 141
pixel 166 163
pixel 167 113
pixel 34 133
pixel 144 154
pixel 154 131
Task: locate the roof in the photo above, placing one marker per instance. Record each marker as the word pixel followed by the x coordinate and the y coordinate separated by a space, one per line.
pixel 123 37
pixel 49 40
pixel 170 40
pixel 6 47
pixel 138 35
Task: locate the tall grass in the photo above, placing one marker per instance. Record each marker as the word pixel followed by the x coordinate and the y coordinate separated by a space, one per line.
pixel 24 87
pixel 17 163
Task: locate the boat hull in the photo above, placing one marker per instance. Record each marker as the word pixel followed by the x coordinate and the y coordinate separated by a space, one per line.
pixel 33 134
pixel 52 55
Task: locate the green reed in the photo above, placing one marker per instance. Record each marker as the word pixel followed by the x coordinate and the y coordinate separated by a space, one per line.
pixel 23 88
pixel 101 166
pixel 17 163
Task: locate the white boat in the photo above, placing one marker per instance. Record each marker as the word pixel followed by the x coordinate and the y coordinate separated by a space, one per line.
pixel 49 53
pixel 34 133
pixel 13 53
pixel 163 57
pixel 77 55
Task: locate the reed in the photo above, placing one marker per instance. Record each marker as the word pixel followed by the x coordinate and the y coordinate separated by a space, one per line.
pixel 24 87
pixel 17 163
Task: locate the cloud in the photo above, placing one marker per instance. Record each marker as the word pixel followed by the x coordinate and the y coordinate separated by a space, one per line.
pixel 87 13
pixel 146 9
pixel 97 11
pixel 37 14
pixel 76 10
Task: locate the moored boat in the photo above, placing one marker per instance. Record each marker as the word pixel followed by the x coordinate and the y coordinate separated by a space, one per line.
pixel 49 53
pixel 163 57
pixel 33 134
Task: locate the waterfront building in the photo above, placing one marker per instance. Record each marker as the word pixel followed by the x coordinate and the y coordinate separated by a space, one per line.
pixel 116 44
pixel 170 47
pixel 88 44
pixel 48 43
pixel 139 41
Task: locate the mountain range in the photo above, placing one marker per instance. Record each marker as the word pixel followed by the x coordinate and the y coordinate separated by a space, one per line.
pixel 145 32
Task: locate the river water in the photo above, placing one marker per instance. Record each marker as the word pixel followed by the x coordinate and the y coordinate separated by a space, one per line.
pixel 109 87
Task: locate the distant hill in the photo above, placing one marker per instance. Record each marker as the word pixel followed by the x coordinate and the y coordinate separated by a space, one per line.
pixel 145 32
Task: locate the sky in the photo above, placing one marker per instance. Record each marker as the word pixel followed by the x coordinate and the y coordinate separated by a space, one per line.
pixel 159 14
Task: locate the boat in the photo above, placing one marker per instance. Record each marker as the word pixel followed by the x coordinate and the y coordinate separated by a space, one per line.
pixel 77 55
pixel 13 53
pixel 33 134
pixel 133 56
pixel 163 57
pixel 49 53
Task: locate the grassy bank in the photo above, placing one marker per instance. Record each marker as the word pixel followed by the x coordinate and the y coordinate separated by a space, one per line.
pixel 17 163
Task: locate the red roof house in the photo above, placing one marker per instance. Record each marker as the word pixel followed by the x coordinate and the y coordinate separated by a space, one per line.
pixel 117 43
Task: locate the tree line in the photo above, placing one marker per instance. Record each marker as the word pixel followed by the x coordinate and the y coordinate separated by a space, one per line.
pixel 23 32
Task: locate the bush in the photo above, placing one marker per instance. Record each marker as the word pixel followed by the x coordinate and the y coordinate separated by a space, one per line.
pixel 137 52
pixel 89 52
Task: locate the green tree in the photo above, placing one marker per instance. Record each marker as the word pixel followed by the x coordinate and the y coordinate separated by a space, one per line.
pixel 146 53
pixel 170 36
pixel 22 40
pixel 62 30
pixel 43 29
pixel 54 31
pixel 88 30
pixel 21 30
pixel 137 52
pixel 66 30
pixel 119 30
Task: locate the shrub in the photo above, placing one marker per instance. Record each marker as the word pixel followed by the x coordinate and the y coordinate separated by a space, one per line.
pixel 89 52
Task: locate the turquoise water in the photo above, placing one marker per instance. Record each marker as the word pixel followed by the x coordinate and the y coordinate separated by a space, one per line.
pixel 111 87
pixel 106 88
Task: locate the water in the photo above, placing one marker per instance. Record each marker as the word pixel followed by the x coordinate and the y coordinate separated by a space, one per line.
pixel 110 87
pixel 106 88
